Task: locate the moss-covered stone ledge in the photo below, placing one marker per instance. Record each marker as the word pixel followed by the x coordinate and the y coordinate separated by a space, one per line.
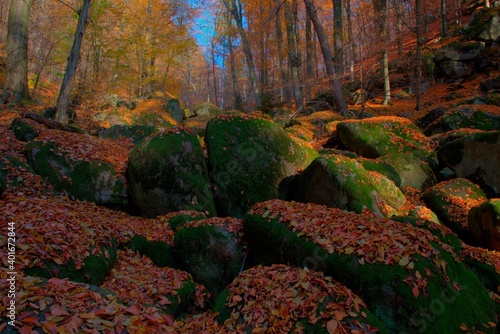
pixel 408 277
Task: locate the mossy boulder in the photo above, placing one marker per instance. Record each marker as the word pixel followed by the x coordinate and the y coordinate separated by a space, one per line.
pixel 168 173
pixel 484 25
pixel 412 171
pixel 283 299
pixel 485 264
pixel 451 202
pixel 211 250
pixel 414 283
pixel 59 239
pixel 135 279
pixel 177 219
pixel 378 136
pixel 207 109
pixel 374 165
pixel 135 132
pixel 11 172
pixel 423 212
pixel 475 157
pixel 301 132
pixel 75 172
pixel 23 130
pixel 341 182
pixel 464 117
pixel 484 224
pixel 248 158
pixel 160 252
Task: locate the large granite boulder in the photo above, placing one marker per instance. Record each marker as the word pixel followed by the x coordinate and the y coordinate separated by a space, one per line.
pixel 248 158
pixel 168 173
pixel 84 167
pixel 451 202
pixel 412 171
pixel 341 182
pixel 484 224
pixel 378 136
pixel 211 250
pixel 475 157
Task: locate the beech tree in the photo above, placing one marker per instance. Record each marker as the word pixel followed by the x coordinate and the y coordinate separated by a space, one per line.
pixel 335 83
pixel 236 10
pixel 62 105
pixel 381 13
pixel 16 88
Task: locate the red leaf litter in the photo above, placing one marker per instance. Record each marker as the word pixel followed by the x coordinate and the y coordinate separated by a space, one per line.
pixel 272 300
pixel 90 148
pixel 62 306
pixel 138 281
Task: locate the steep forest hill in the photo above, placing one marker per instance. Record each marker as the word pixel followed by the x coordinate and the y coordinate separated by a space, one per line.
pixel 142 217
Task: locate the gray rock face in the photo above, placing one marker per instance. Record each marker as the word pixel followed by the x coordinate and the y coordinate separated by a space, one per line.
pixel 477 158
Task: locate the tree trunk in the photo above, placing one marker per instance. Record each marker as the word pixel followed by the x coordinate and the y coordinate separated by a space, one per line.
pixel 16 88
pixel 283 71
pixel 237 15
pixel 350 36
pixel 309 58
pixel 444 19
pixel 418 79
pixel 487 3
pixel 335 84
pixel 69 75
pixel 293 58
pixel 338 42
pixel 381 11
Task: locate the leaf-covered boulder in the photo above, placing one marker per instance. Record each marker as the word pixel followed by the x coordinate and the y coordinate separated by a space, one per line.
pixel 23 130
pixel 248 158
pixel 85 167
pixel 168 172
pixel 282 299
pixel 451 202
pixel 475 157
pixel 62 306
pixel 20 177
pixel 136 280
pixel 412 171
pixel 211 250
pixel 411 280
pixel 341 182
pixel 58 238
pixel 378 136
pixel 135 132
pixel 484 224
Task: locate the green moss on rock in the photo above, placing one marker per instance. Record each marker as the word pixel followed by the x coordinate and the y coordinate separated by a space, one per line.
pixel 94 181
pixel 412 171
pixel 22 130
pixel 248 158
pixel 451 202
pixel 138 133
pixel 416 286
pixel 341 182
pixel 168 173
pixel 212 254
pixel 378 136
